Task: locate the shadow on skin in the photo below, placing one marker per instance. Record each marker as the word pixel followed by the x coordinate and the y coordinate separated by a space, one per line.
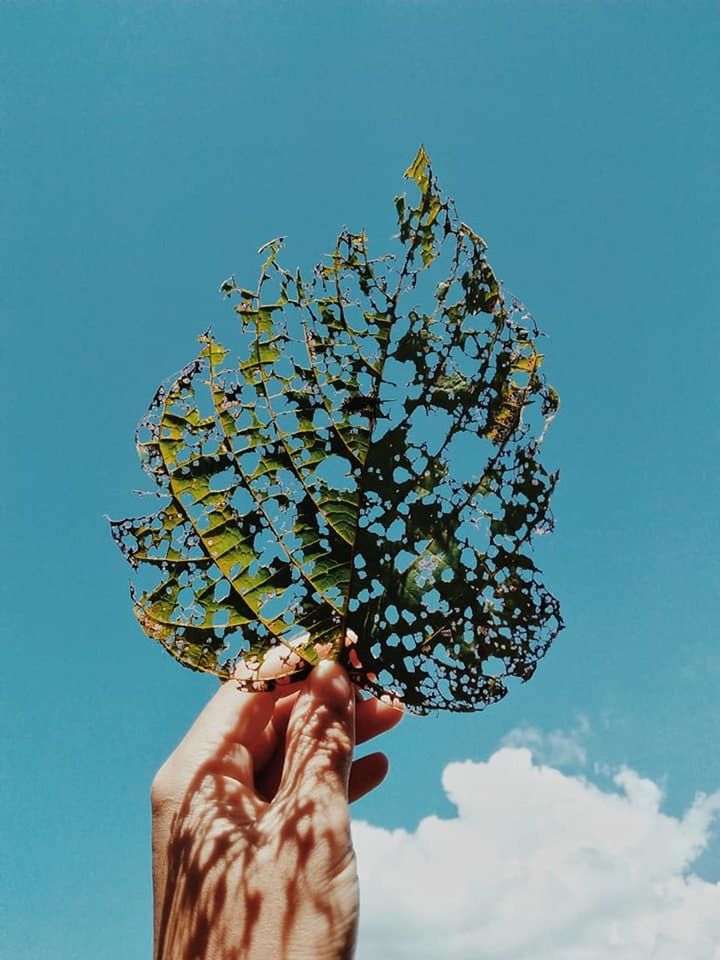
pixel 260 862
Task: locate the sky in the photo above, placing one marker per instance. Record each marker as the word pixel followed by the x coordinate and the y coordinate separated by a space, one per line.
pixel 148 149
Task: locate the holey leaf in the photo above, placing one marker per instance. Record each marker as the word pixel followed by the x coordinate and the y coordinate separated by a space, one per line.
pixel 355 474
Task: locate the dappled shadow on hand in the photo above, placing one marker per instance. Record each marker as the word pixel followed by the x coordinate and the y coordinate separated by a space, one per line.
pixel 257 869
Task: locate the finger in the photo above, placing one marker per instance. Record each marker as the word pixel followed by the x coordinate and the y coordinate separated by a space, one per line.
pixel 235 762
pixel 366 774
pixel 229 780
pixel 320 739
pixel 373 717
pixel 283 709
pixel 265 742
pixel 231 716
pixel 269 759
pixel 278 663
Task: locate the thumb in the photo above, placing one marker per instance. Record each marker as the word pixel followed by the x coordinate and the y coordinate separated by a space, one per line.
pixel 320 739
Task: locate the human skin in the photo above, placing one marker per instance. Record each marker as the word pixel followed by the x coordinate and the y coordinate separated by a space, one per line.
pixel 252 855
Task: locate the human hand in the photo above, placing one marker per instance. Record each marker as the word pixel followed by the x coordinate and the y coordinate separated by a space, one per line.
pixel 252 856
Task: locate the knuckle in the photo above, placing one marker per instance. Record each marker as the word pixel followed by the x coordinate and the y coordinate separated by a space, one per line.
pixel 161 788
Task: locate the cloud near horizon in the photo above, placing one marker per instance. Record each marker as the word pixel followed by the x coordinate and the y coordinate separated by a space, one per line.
pixel 540 865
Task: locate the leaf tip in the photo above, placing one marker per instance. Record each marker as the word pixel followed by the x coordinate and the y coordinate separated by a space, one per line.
pixel 419 170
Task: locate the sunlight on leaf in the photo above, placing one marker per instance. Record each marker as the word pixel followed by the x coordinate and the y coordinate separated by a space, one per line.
pixel 359 478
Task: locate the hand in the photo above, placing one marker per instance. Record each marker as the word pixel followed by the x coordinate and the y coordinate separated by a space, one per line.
pixel 252 856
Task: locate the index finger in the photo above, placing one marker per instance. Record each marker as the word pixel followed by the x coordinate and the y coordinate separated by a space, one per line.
pixel 231 716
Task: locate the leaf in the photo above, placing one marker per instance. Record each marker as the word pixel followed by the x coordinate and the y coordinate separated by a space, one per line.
pixel 419 170
pixel 357 474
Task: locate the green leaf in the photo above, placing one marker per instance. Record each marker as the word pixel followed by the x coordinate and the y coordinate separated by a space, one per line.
pixel 355 472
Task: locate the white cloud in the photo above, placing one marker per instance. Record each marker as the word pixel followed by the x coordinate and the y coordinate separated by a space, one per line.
pixel 557 748
pixel 540 865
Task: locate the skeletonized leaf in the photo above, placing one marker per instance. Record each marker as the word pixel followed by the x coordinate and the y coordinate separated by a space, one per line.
pixel 356 474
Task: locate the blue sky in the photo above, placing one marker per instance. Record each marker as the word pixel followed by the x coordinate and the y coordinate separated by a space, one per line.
pixel 147 151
